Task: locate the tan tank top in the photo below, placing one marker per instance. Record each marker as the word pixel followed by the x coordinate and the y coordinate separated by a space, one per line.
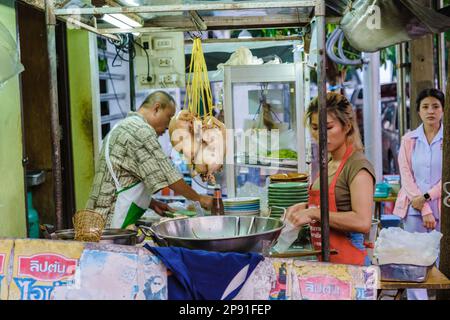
pixel 354 165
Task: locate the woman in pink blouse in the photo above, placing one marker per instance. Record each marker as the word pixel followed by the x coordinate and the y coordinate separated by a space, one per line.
pixel 420 163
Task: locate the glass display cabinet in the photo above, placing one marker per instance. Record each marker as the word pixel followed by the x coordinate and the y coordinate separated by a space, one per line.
pixel 263 110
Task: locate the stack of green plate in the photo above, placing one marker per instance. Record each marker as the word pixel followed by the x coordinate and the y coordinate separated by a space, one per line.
pixel 285 195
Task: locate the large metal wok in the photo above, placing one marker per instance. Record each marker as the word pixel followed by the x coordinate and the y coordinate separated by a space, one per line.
pixel 110 236
pixel 218 233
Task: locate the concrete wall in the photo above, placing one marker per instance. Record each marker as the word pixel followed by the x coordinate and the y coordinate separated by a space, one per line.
pixel 12 189
pixel 81 106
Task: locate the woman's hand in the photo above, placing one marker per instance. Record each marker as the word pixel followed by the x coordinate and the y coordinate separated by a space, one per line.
pixel 429 221
pixel 299 215
pixel 418 202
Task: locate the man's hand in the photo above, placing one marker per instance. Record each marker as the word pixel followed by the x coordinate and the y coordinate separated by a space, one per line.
pixel 206 202
pixel 429 221
pixel 160 207
pixel 418 202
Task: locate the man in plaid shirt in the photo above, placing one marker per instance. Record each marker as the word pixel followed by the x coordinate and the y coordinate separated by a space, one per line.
pixel 137 159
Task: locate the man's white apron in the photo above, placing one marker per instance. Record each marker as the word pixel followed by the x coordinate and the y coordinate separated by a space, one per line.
pixel 131 202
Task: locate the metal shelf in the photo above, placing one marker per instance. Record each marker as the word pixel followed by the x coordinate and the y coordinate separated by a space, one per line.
pixel 106 54
pixel 260 166
pixel 112 76
pixel 109 118
pixel 112 96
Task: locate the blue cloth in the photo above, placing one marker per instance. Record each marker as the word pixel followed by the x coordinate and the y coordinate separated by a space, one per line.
pixel 427 166
pixel 203 275
pixel 357 239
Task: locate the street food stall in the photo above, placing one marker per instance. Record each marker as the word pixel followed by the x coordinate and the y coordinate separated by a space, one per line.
pixel 44 269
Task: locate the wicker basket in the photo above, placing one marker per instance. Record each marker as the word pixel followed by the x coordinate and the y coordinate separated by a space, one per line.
pixel 88 226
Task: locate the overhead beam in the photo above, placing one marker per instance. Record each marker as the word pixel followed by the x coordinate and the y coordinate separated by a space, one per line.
pixel 190 7
pixel 184 23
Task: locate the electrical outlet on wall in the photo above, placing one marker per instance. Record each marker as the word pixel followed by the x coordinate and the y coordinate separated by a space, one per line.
pixel 143 79
pixel 162 43
pixel 168 78
pixel 146 43
pixel 165 62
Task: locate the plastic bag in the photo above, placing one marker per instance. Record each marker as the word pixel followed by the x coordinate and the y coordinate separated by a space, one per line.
pixel 242 56
pixel 376 24
pixel 10 65
pixel 396 246
pixel 287 237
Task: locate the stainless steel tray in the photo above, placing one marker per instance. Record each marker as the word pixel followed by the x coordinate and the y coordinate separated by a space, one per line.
pixel 404 272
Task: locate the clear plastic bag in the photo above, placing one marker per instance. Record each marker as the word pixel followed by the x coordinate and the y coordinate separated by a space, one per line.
pixel 10 65
pixel 396 246
pixel 287 237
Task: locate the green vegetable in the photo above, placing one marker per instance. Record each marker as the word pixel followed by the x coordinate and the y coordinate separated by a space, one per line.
pixel 283 154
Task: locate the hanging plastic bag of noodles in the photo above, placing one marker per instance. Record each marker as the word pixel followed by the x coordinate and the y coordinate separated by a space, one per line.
pixel 194 131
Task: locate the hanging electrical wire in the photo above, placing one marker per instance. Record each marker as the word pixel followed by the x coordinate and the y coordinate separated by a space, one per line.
pixel 123 47
pixel 337 37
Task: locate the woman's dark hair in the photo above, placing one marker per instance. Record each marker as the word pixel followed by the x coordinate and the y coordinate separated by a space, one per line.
pixel 435 93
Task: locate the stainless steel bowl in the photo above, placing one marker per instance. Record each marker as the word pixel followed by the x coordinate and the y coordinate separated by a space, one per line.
pixel 219 233
pixel 112 236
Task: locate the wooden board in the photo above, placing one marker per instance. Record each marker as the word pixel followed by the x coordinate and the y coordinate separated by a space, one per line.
pixel 436 280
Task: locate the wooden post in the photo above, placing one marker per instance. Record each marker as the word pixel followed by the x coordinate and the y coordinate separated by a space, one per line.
pixel 422 69
pixel 444 263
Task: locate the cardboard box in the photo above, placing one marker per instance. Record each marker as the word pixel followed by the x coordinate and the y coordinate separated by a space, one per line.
pixel 6 247
pixel 40 266
pixel 114 272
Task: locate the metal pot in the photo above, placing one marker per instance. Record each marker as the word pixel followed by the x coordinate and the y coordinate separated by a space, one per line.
pixel 112 236
pixel 218 233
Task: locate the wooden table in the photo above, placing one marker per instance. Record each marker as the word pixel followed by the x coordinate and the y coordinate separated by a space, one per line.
pixel 436 280
pixel 379 201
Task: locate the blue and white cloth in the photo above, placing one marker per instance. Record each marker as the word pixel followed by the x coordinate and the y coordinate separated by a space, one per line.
pixel 204 275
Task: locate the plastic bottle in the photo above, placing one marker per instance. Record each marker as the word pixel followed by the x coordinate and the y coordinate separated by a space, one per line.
pixel 33 218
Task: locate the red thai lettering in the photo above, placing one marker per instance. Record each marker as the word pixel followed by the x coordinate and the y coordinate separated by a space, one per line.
pixel 46 267
pixel 2 262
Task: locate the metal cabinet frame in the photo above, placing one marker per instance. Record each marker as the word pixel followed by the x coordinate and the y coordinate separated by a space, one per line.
pixel 51 14
pixel 261 74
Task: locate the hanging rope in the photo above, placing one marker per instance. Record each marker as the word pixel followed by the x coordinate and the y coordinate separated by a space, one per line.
pixel 198 99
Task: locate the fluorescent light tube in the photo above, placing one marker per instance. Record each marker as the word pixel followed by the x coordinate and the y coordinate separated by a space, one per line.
pixel 127 20
pixel 121 21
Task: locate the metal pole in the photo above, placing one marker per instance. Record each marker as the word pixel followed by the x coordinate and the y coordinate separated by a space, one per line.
pixel 441 53
pixel 400 52
pixel 372 112
pixel 131 73
pixel 323 137
pixel 50 20
pixel 444 260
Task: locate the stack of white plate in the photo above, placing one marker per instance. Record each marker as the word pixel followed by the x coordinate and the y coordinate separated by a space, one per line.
pixel 242 206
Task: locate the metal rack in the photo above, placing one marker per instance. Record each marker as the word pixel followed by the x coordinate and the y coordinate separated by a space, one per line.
pixel 284 73
pixel 192 20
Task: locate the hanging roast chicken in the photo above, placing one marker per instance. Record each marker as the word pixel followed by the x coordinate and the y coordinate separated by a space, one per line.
pixel 194 131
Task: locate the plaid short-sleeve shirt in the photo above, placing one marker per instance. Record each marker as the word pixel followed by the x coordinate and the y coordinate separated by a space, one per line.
pixel 136 156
